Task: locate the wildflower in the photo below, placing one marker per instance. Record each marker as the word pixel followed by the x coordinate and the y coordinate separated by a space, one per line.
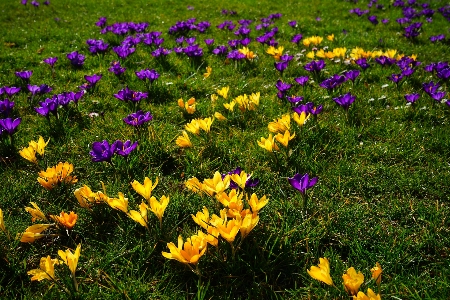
pixel 302 182
pixel 232 201
pixel 230 106
pixel 145 190
pixel 345 100
pixel 86 197
pixel 50 61
pixel 370 295
pixel 219 116
pixel 193 127
pixel 76 59
pixel 330 37
pixel 300 117
pixel 6 107
pixel 352 281
pixel 275 52
pixel 36 213
pixel 229 229
pixel 205 124
pixel 248 223
pixel 29 154
pixel 9 125
pixel 70 259
pixel 411 98
pixel 302 80
pixel 33 233
pixel 46 269
pixel 120 203
pixel 141 216
pixel 322 271
pixel 216 185
pixel 184 141
pixel 188 252
pixel 57 174
pixel 255 204
pixel 24 75
pixel 116 68
pixel 248 54
pixel 158 207
pixel 284 139
pixel 145 74
pixel 268 143
pixel 376 273
pixel 188 105
pixel 194 185
pixel 66 220
pixel 138 118
pixel 240 179
pixel 208 72
pixel 124 148
pixel 223 92
pixel 102 151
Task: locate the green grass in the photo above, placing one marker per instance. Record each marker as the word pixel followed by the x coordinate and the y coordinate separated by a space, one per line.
pixel 382 194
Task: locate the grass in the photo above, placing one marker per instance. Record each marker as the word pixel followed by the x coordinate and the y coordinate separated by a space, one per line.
pixel 382 167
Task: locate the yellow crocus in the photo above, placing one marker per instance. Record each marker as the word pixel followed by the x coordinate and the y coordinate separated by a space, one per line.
pixel 120 203
pixel 370 295
pixel 284 139
pixel 184 141
pixel 230 106
pixel 193 127
pixel 29 154
pixel 248 54
pixel 275 52
pixel 233 201
pixel 248 223
pixel 158 207
pixel 280 125
pixel 202 218
pixel 189 105
pixel 322 271
pixel 330 37
pixel 329 55
pixel 268 143
pixel 205 124
pixel 33 233
pixel 57 174
pixel 66 220
pixel 2 222
pixel 216 185
pixel 352 281
pixel 145 190
pixel 223 92
pixel 376 273
pixel 390 53
pixel 255 204
pixel 240 179
pixel 194 185
pixel 301 119
pixel 36 213
pixel 86 197
pixel 188 252
pixel 254 100
pixel 140 217
pixel 219 116
pixel 208 72
pixel 40 145
pixel 46 269
pixel 214 97
pixel 339 52
pixel 229 229
pixel 310 54
pixel 70 259
pixel 320 53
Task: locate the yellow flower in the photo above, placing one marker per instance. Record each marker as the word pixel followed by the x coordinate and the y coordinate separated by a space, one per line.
pixel 248 223
pixel 216 185
pixel 229 229
pixel 29 154
pixel 46 269
pixel 320 53
pixel 194 185
pixel 322 272
pixel 284 139
pixel 66 220
pixel 306 42
pixel 281 124
pixel 184 141
pixel 189 252
pixel 370 296
pixel 2 222
pixel 193 127
pixel 205 124
pixel 70 259
pixel 275 52
pixel 202 218
pixel 188 105
pixel 120 203
pixel 339 52
pixel 36 213
pixel 158 207
pixel 268 144
pixel 214 97
pixel 329 55
pixel 223 92
pixel 140 217
pixel 219 116
pixel 211 237
pixel 145 190
pixel 330 37
pixel 86 197
pixel 316 40
pixel 39 146
pixel 376 273
pixel 240 179
pixel 254 100
pixel 208 72
pixel 58 174
pixel 233 201
pixel 310 54
pixel 33 233
pixel 230 106
pixel 302 118
pixel 256 204
pixel 352 281
pixel 248 54
pixel 390 53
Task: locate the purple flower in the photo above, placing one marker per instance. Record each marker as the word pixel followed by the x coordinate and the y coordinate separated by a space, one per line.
pixel 248 183
pixel 76 59
pixel 302 182
pixel 437 38
pixel 138 118
pixel 123 51
pixel 315 66
pixel 97 46
pixel 411 98
pixel 9 125
pixel 362 62
pixel 11 90
pixel 345 100
pixel 101 22
pixel 385 21
pixel 42 89
pixel 313 109
pixel 24 2
pixel 5 107
pixel 92 79
pixel 51 61
pixel 220 50
pixel 430 87
pixel 332 82
pixel 47 106
pixel 351 75
pixel 145 74
pixel 373 20
pixel 123 149
pixel 302 80
pixel 282 87
pixel 292 23
pixel 102 151
pixel 438 96
pixel 161 52
pixel 294 99
pixel 24 75
pixel 116 68
pixel 443 73
pixel 384 60
pixel 129 95
pixel 236 55
pixel 35 3
pixel 412 30
pixel 396 78
pixel 281 66
pixel 209 42
pixel 193 51
pixel 297 38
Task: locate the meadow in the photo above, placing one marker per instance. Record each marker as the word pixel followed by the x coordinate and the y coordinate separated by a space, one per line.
pixel 191 150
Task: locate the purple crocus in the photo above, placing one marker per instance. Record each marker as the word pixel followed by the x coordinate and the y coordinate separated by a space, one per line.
pixel 437 38
pixel 101 22
pixel 296 38
pixel 282 87
pixel 302 182
pixel 411 98
pixel 209 42
pixel 430 87
pixel 76 59
pixel 116 68
pixel 11 90
pixel 5 107
pixel 9 125
pixel 24 75
pixel 138 118
pixel 396 78
pixel 145 74
pixel 315 66
pixel 302 80
pixel 92 79
pixel 39 89
pixel 332 82
pixel 50 61
pixel 294 99
pixel 129 95
pixel 351 75
pixel 50 105
pixel 102 151
pixel 373 20
pixel 220 50
pixel 123 51
pixel 362 62
pixel 124 148
pixel 345 100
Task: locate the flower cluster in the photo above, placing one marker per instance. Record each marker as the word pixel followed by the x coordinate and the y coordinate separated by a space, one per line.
pixel 103 151
pixel 53 176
